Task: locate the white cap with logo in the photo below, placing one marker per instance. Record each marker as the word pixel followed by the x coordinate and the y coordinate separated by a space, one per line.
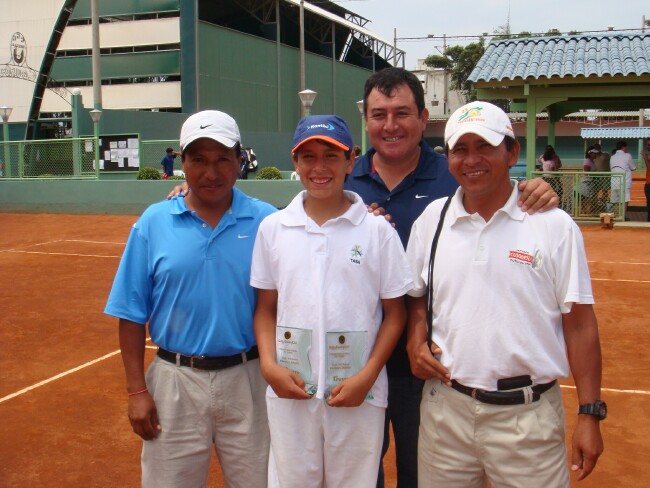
pixel 215 125
pixel 481 118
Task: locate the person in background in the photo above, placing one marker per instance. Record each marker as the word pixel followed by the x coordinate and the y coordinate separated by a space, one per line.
pixel 645 154
pixel 502 309
pixel 356 151
pixel 168 162
pixel 184 280
pixel 551 162
pixel 622 162
pixel 587 189
pixel 602 160
pixel 244 163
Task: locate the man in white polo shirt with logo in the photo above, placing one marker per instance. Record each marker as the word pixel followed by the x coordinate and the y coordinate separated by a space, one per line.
pixel 510 293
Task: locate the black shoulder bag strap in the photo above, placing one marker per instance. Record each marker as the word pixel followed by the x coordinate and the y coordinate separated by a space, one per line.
pixel 432 257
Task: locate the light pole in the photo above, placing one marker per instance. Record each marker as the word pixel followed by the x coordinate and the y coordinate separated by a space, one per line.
pixel 5 112
pixel 363 127
pixel 96 114
pixel 307 98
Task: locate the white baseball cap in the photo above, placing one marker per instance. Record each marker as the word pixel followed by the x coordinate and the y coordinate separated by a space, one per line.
pixel 212 124
pixel 481 118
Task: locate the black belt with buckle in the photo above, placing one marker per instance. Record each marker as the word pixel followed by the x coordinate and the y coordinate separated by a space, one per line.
pixel 208 364
pixel 521 396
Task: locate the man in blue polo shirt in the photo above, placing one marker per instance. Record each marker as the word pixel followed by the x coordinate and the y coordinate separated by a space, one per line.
pixel 185 276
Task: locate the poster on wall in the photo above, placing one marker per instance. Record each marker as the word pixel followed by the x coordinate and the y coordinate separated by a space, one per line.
pixel 121 152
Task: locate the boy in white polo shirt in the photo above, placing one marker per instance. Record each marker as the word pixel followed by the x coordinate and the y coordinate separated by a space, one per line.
pixel 331 279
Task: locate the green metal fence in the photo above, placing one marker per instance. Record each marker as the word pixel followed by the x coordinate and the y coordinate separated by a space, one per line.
pixel 52 158
pixel 585 196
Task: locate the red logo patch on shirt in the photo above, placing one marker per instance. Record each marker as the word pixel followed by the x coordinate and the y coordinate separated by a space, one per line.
pixel 521 257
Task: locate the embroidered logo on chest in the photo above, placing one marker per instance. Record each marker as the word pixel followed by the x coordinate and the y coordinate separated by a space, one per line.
pixel 356 254
pixel 526 259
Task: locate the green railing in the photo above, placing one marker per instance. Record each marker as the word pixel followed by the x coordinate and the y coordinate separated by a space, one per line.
pixel 68 158
pixel 52 158
pixel 585 196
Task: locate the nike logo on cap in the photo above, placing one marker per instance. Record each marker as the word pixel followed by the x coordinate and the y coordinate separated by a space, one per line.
pixel 421 196
pixel 204 126
pixel 239 236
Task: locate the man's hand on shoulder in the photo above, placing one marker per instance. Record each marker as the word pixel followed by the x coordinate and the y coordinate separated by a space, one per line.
pixel 178 189
pixel 375 209
pixel 537 196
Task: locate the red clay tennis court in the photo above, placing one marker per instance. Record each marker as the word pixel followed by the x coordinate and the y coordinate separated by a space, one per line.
pixel 62 397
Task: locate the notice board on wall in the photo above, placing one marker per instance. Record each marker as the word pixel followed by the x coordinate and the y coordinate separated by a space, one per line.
pixel 119 152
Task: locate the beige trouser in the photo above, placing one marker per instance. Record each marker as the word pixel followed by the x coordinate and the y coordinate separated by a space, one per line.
pixel 199 409
pixel 463 442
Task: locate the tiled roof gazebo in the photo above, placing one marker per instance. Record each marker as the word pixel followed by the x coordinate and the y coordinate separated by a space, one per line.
pixel 563 74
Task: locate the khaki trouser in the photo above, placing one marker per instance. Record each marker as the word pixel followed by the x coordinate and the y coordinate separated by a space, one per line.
pixel 463 442
pixel 201 409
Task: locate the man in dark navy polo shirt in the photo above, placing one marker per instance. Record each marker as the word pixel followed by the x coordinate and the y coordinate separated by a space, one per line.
pixel 402 174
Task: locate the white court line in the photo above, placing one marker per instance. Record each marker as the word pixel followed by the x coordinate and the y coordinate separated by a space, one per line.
pixel 62 253
pixel 95 242
pixel 614 390
pixel 65 373
pixel 33 245
pixel 626 281
pixel 66 254
pixel 60 375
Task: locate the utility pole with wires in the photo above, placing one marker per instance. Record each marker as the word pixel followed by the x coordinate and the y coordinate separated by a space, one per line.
pixel 445 78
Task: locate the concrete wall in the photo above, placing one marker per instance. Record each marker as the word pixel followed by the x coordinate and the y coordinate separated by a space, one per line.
pixel 115 197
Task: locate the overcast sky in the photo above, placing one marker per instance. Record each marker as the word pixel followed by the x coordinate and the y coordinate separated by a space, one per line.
pixel 418 18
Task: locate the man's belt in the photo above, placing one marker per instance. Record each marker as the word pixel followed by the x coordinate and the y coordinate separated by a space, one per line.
pixel 528 394
pixel 206 363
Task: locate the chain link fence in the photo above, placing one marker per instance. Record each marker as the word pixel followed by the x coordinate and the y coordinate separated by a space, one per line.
pixel 152 153
pixel 585 196
pixel 54 158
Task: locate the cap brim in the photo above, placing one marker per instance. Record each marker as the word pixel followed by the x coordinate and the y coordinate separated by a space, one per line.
pixel 492 137
pixel 322 138
pixel 224 141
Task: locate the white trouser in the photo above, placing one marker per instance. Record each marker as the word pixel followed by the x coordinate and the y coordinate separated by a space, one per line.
pixel 199 409
pixel 314 445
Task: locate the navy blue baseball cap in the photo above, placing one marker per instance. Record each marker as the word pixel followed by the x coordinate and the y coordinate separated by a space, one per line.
pixel 329 128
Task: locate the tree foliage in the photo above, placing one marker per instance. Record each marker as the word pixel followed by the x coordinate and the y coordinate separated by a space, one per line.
pixel 459 61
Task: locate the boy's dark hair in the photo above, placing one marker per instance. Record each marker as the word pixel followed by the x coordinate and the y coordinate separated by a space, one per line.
pixel 169 149
pixel 621 145
pixel 347 153
pixel 388 79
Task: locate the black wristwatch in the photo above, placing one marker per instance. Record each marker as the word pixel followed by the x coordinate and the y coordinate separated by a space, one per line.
pixel 598 409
